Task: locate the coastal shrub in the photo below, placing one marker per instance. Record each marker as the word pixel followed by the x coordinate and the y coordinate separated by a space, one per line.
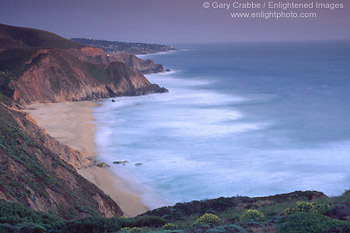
pixel 227 228
pixel 233 218
pixel 149 221
pixel 7 228
pixel 31 228
pixel 251 214
pixel 170 226
pixel 130 230
pixel 13 213
pixel 310 207
pixel 346 193
pixel 91 225
pixel 303 222
pixel 340 211
pixel 207 218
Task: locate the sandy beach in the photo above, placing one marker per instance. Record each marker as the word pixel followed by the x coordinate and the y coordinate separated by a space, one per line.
pixel 72 124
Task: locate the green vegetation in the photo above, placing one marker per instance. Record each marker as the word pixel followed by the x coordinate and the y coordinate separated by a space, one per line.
pixel 16 218
pixel 20 37
pixel 312 223
pixel 170 226
pixel 252 215
pixel 207 218
pixel 131 229
pixel 116 46
pixel 13 62
pixel 13 142
pixel 97 72
pixel 312 207
pixel 247 216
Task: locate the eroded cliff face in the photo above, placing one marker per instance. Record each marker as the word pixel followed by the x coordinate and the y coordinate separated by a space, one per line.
pixel 89 54
pixel 52 75
pixel 97 56
pixel 35 169
pixel 143 66
pixel 38 171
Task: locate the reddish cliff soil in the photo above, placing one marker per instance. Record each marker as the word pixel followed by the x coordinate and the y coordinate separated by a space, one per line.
pixel 38 171
pixel 53 75
pixel 143 66
pixel 35 169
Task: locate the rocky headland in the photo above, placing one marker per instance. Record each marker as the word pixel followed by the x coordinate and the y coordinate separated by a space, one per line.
pixel 38 171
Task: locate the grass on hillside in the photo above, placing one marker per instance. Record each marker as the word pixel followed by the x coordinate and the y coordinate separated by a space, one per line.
pixel 268 216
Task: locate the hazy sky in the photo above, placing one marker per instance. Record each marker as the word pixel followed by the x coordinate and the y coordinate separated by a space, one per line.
pixel 172 21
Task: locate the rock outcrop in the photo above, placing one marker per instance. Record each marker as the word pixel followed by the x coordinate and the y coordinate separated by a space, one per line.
pixel 143 66
pixel 35 169
pixel 53 75
pixel 39 172
pixel 97 56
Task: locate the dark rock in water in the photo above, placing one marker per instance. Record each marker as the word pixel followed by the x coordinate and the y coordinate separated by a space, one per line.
pixel 167 70
pixel 102 165
pixel 121 162
pixel 113 100
pixel 138 164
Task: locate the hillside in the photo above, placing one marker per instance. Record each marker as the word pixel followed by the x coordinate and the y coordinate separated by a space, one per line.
pixel 117 47
pixel 20 37
pixel 143 66
pixel 53 75
pixel 36 170
pixel 39 172
pixel 297 212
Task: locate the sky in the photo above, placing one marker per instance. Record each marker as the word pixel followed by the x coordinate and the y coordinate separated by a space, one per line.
pixel 175 21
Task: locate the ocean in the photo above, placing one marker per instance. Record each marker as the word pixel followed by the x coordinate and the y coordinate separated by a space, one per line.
pixel 248 119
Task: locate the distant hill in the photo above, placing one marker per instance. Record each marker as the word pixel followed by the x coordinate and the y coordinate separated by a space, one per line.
pixel 117 47
pixel 20 37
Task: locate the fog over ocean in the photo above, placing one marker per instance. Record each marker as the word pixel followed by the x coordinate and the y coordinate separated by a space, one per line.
pixel 240 119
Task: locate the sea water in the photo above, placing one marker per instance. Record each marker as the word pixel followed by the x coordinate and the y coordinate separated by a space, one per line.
pixel 239 119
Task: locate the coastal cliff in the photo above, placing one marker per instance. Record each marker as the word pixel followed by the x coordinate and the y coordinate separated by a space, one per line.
pixel 39 66
pixel 40 172
pixel 36 170
pixel 143 66
pixel 52 75
pixel 97 56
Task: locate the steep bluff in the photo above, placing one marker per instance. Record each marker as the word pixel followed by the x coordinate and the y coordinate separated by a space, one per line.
pixel 39 172
pixel 53 75
pixel 97 55
pixel 35 169
pixel 143 66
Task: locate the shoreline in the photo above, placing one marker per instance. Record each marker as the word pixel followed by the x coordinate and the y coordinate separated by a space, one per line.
pixel 72 124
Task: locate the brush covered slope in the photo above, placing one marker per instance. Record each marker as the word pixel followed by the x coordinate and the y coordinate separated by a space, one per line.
pixel 21 37
pixel 297 212
pixel 39 172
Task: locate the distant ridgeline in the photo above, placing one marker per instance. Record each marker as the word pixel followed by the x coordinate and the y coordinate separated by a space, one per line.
pixel 117 47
